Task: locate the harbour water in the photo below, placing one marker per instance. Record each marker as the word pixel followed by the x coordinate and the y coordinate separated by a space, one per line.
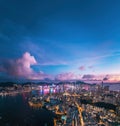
pixel 113 87
pixel 15 111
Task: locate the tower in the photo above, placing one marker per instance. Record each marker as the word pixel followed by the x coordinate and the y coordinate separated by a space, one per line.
pixel 102 84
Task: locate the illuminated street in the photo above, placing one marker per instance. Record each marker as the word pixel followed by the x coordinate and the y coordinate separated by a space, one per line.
pixel 70 108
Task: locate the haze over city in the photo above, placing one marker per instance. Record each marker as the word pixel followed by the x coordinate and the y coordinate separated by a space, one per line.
pixel 61 40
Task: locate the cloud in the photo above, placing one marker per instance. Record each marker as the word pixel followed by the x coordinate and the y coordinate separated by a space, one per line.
pixel 106 78
pixel 88 77
pixel 94 77
pixel 39 76
pixel 112 78
pixel 43 58
pixel 21 68
pixel 82 68
pixel 68 76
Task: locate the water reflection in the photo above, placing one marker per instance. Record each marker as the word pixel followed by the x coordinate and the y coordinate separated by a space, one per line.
pixel 15 111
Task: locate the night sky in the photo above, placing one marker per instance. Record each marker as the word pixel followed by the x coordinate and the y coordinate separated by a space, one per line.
pixel 60 39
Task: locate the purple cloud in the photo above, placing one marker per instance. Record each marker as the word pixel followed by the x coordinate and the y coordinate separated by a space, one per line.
pixel 82 68
pixel 105 79
pixel 108 78
pixel 66 76
pixel 88 77
pixel 112 78
pixel 22 68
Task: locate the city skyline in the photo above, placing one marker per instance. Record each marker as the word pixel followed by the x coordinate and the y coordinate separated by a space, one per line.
pixel 61 40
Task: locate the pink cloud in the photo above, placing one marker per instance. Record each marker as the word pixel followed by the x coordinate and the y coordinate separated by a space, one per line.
pixel 82 68
pixel 22 67
pixel 88 77
pixel 112 78
pixel 68 76
pixel 105 78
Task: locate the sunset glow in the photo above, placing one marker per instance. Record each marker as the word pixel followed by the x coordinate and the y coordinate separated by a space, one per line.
pixel 63 41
